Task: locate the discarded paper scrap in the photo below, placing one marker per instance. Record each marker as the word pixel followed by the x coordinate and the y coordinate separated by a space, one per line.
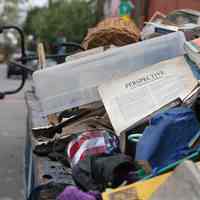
pixel 132 98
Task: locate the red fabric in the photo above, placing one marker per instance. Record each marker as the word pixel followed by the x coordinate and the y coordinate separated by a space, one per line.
pixel 77 144
pixel 92 143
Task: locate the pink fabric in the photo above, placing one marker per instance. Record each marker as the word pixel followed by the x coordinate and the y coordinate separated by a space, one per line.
pixel 115 8
pixel 73 193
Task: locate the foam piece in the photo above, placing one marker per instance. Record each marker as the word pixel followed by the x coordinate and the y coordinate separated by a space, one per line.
pixel 75 83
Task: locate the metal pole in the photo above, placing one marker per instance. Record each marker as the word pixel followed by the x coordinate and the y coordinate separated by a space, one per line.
pixel 23 59
pixel 22 38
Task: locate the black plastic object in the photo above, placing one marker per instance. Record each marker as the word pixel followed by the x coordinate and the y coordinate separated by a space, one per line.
pixel 70 48
pixel 47 191
pixel 25 70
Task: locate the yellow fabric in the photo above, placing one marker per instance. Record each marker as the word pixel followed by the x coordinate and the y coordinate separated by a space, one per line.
pixel 144 189
pixel 126 18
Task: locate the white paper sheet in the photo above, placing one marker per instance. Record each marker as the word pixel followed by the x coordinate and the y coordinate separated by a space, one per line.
pixel 132 98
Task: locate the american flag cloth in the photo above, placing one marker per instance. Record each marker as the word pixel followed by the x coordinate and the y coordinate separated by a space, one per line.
pixel 92 143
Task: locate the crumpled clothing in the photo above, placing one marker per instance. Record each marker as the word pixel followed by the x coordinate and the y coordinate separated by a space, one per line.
pixel 166 139
pixel 96 142
pixel 73 193
pixel 96 173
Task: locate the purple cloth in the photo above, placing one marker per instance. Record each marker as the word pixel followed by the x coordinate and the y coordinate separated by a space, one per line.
pixel 73 193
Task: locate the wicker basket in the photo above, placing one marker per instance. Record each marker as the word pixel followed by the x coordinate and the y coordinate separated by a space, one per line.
pixel 116 31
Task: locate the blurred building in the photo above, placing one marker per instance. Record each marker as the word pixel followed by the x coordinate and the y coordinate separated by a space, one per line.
pixel 170 5
pixel 146 8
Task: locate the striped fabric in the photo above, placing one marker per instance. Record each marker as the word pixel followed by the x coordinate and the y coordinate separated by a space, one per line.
pixel 92 143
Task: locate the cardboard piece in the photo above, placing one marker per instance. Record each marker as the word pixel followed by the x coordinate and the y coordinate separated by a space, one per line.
pixel 183 184
pixel 141 190
pixel 166 187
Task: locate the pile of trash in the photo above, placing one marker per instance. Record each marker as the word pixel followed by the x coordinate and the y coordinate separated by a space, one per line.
pixel 122 123
pixel 185 20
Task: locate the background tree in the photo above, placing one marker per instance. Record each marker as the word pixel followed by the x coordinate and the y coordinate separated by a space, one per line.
pixel 9 15
pixel 73 18
pixel 10 10
pixel 100 9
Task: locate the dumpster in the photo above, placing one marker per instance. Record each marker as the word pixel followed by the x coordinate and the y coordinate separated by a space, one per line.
pixel 105 119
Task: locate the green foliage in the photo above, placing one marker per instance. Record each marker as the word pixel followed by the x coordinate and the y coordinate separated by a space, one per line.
pixel 73 18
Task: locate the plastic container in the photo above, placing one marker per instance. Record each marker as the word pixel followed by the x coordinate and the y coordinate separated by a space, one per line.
pixel 75 83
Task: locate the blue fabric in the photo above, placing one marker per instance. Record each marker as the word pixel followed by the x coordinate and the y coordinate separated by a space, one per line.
pixel 166 139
